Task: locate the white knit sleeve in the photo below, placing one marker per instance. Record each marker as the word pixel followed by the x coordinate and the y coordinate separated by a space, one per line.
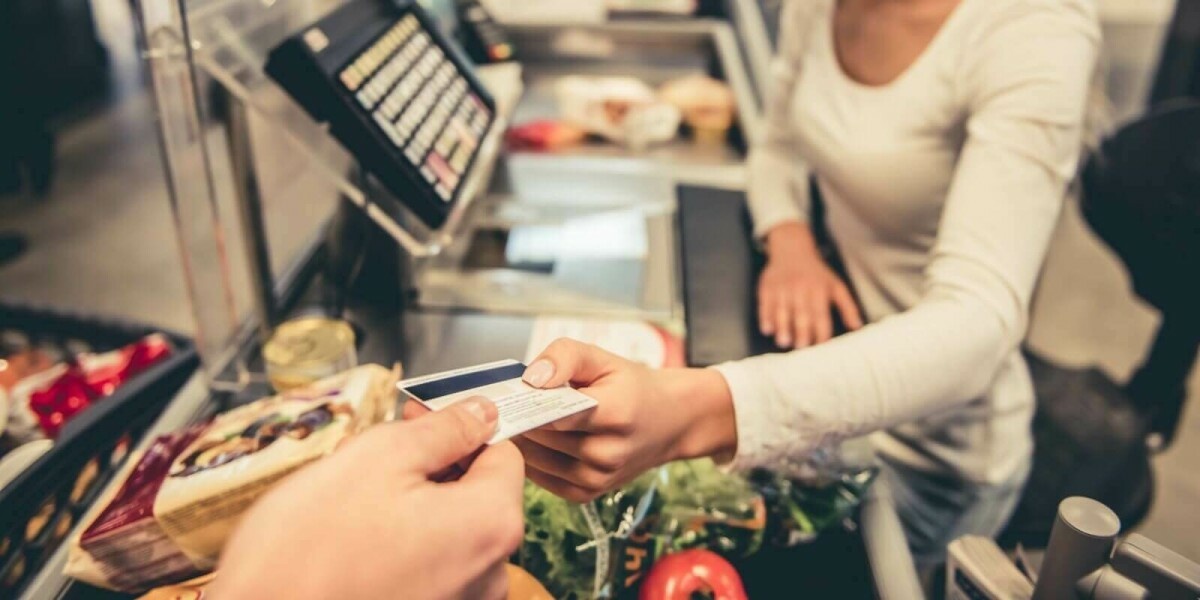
pixel 1024 83
pixel 777 189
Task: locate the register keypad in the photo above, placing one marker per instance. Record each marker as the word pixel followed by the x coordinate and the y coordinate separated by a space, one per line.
pixel 420 102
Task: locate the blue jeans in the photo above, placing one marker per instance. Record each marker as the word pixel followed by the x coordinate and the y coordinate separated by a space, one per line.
pixel 938 509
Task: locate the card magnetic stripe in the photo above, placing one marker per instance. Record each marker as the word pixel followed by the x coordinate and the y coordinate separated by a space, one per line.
pixel 467 381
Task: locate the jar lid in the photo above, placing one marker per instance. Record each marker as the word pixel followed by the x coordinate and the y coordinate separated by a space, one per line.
pixel 309 340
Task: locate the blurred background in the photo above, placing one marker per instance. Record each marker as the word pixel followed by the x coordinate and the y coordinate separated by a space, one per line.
pixel 85 221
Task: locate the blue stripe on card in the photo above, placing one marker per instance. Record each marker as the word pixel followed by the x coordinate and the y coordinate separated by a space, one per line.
pixel 432 390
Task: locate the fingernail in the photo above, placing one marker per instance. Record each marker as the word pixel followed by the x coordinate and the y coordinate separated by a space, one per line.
pixel 784 341
pixel 480 408
pixel 766 329
pixel 539 373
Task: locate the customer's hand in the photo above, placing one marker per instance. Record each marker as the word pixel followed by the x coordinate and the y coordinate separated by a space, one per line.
pixel 797 291
pixel 373 521
pixel 644 418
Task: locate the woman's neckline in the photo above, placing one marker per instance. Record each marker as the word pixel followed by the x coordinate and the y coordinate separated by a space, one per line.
pixel 922 56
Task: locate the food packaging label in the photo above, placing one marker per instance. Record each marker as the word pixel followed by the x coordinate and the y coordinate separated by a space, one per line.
pixel 125 546
pixel 246 451
pixel 172 513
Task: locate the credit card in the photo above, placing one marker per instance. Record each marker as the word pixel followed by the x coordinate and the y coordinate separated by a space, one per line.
pixel 521 407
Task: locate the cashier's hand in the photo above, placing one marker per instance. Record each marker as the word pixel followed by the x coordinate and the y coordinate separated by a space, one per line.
pixel 797 290
pixel 644 418
pixel 377 518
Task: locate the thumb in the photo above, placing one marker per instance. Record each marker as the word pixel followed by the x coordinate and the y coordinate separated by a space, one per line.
pixel 444 438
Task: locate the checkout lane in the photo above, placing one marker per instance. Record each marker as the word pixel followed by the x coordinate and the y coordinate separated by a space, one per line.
pixel 450 326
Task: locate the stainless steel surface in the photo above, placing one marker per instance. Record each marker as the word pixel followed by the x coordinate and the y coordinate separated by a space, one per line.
pixel 607 231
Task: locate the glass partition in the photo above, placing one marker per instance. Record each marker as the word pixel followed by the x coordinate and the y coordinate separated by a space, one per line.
pixel 247 206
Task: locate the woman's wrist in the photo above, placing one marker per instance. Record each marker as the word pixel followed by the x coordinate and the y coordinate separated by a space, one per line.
pixel 708 426
pixel 791 238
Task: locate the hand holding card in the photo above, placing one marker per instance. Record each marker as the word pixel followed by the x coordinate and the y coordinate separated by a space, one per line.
pixel 521 407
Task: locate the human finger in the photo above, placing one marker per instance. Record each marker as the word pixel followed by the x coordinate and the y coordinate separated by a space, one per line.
pixel 844 300
pixel 413 409
pixel 562 466
pixel 822 323
pixel 801 320
pixel 446 437
pixel 784 334
pixel 560 487
pixel 568 361
pixel 766 310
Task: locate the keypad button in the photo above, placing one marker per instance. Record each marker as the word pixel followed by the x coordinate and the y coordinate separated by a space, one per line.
pixel 459 160
pixel 414 157
pixel 443 192
pixel 364 100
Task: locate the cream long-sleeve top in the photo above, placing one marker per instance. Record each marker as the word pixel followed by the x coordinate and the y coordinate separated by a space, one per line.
pixel 942 190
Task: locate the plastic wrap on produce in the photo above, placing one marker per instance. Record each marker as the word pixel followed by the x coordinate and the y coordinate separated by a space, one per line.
pixel 818 493
pixel 605 548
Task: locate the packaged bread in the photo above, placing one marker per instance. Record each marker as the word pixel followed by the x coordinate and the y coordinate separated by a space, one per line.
pixel 621 109
pixel 707 105
pixel 193 589
pixel 172 512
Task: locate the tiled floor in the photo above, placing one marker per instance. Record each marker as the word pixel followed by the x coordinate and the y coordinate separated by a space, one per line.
pixel 103 242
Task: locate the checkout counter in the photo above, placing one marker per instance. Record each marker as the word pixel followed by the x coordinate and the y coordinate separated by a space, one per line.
pixel 260 195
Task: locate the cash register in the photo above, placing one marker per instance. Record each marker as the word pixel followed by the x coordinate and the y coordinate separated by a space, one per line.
pixel 397 93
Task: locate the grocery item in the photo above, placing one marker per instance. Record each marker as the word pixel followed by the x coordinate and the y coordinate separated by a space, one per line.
pixel 818 493
pixel 634 339
pixel 523 586
pixel 306 349
pixel 606 548
pixel 124 546
pixel 178 502
pixel 799 511
pixel 193 589
pixel 40 404
pixel 691 573
pixel 544 134
pixel 621 109
pixel 707 106
pixel 22 363
pixel 104 372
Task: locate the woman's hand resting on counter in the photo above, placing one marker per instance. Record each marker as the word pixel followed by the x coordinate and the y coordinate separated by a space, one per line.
pixel 645 417
pixel 797 290
pixel 398 511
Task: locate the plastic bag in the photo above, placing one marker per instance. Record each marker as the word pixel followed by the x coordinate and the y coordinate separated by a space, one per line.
pixel 603 549
pixel 822 492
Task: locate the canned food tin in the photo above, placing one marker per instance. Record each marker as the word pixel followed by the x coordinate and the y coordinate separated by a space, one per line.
pixel 308 349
